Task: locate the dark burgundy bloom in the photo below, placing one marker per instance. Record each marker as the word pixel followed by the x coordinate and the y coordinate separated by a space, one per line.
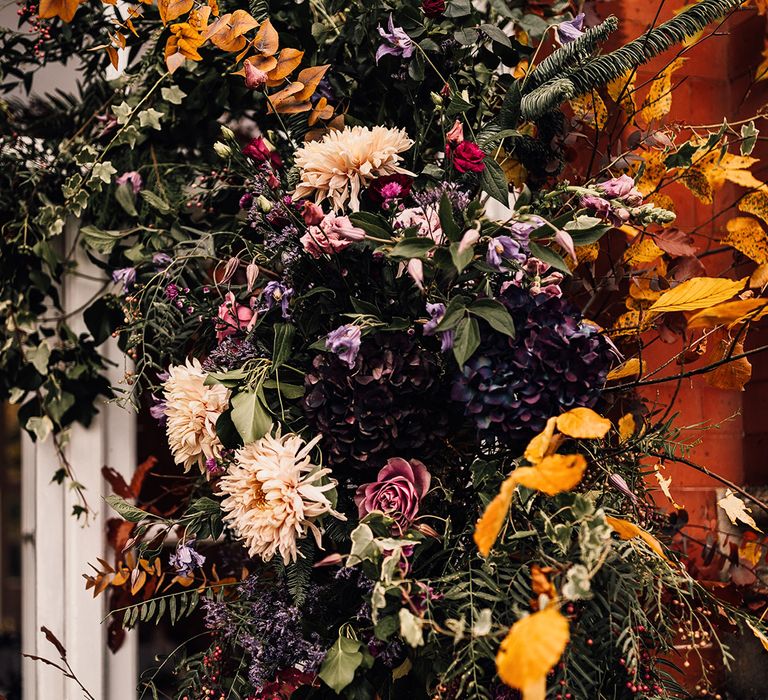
pixel 399 487
pixel 467 157
pixel 258 150
pixel 433 8
pixel 390 187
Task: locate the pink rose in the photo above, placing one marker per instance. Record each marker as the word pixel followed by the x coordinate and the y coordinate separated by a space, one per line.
pixel 467 157
pixel 332 235
pixel 399 487
pixel 233 317
pixel 455 134
pixel 311 213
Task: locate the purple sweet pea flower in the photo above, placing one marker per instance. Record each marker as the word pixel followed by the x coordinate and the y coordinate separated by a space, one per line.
pixel 125 276
pixel 436 313
pixel 622 187
pixel 131 178
pixel 570 30
pixel 503 248
pixel 278 293
pixel 396 42
pixel 161 260
pixel 399 487
pixel 345 342
pixel 185 560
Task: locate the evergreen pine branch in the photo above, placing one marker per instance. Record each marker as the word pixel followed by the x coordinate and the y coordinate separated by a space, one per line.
pixel 546 98
pixel 570 56
pixel 602 69
pixel 259 9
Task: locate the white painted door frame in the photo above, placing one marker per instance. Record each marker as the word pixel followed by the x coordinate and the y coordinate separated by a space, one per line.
pixel 57 547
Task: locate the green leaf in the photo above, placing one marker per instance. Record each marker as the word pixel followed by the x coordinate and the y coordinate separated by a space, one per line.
pixel 447 222
pixel 548 256
pixel 155 201
pixel 58 405
pixel 281 348
pixel 126 510
pixel 412 248
pixel 340 664
pixel 494 181
pixel 150 117
pixel 249 416
pixel 290 391
pixel 455 310
pixel 457 8
pixel 493 32
pixel 372 224
pixel 509 115
pixel 461 258
pixel 467 339
pixel 39 358
pixel 126 199
pixel 173 94
pixel 103 172
pixel 40 427
pixel 749 136
pixel 458 104
pixel 99 240
pixel 495 314
pixel 432 170
pixel 122 112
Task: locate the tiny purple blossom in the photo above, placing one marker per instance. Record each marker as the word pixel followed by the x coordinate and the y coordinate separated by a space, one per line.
pixel 157 410
pixel 436 313
pixel 570 30
pixel 278 293
pixel 345 342
pixel 396 42
pixel 161 260
pixel 503 248
pixel 172 291
pixel 185 560
pixel 125 276
pixel 131 178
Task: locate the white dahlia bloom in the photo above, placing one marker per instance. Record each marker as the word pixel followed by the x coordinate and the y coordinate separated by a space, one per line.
pixel 343 162
pixel 191 411
pixel 274 495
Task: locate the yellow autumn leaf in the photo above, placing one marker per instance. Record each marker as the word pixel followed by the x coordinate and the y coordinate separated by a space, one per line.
pixel 628 531
pixel 697 293
pixel 531 649
pixel 492 520
pixel 751 552
pixel 698 184
pixel 759 278
pixel 736 510
pixel 729 313
pixel 622 91
pixel 665 484
pixel 762 70
pixel 733 374
pixel 747 236
pixel 633 367
pixel 718 168
pixel 173 9
pixel 653 171
pixel 642 251
pixel 755 203
pixel 590 109
pixel 627 427
pixel 542 444
pixel 658 102
pixel 553 474
pixel 759 634
pixel 583 422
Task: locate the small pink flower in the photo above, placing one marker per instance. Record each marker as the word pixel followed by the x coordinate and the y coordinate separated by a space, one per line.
pixel 456 133
pixel 332 235
pixel 311 213
pixel 254 78
pixel 233 317
pixel 131 178
pixel 397 492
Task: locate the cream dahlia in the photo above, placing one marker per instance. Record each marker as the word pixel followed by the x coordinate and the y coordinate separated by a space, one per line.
pixel 191 411
pixel 274 495
pixel 343 162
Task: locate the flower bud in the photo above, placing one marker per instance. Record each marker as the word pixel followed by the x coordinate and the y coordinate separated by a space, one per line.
pixel 227 133
pixel 222 150
pixel 254 78
pixel 264 204
pixel 436 99
pixel 251 273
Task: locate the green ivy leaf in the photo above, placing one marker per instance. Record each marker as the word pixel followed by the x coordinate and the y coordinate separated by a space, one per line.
pixel 173 94
pixel 467 339
pixel 749 136
pixel 249 416
pixel 150 117
pixel 340 664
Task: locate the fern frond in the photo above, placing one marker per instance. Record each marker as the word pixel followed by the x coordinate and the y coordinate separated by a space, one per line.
pixel 546 98
pixel 570 56
pixel 259 9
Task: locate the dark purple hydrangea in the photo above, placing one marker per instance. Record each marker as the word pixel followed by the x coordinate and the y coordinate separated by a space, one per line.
pixel 511 386
pixel 230 354
pixel 186 559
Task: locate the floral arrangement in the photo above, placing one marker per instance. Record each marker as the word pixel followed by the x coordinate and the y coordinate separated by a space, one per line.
pixel 393 327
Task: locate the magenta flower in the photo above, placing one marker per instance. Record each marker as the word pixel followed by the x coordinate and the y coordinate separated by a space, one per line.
pixel 397 492
pixel 396 42
pixel 131 178
pixel 345 342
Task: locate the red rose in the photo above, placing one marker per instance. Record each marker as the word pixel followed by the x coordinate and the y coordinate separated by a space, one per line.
pixel 259 151
pixel 433 8
pixel 467 157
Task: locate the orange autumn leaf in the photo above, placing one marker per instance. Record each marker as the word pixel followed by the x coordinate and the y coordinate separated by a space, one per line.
pixel 759 278
pixel 583 423
pixel 490 523
pixel 227 32
pixel 266 40
pixel 65 9
pixel 173 9
pixel 627 427
pixel 631 368
pixel 287 61
pixel 748 237
pixel 543 444
pixel 531 649
pixel 697 293
pixel 762 70
pixel 310 78
pixel 321 110
pixel 553 474
pixel 729 313
pixel 540 583
pixel 733 374
pixel 628 531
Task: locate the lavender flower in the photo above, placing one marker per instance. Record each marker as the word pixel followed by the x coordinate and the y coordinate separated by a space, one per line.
pixel 185 560
pixel 278 293
pixel 131 178
pixel 503 248
pixel 161 260
pixel 622 187
pixel 157 410
pixel 436 313
pixel 345 342
pixel 570 30
pixel 125 276
pixel 396 42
